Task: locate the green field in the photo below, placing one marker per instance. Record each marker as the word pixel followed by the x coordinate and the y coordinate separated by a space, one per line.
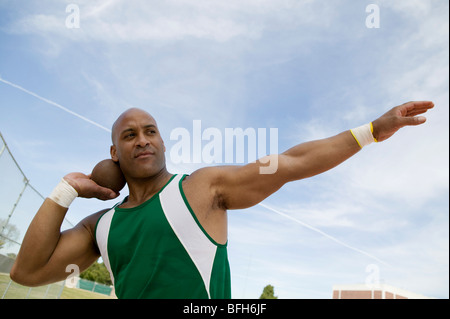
pixel 16 291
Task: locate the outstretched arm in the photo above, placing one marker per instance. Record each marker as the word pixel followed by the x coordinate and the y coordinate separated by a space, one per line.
pixel 240 187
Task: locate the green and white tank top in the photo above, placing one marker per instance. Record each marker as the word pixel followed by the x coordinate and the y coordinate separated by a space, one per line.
pixel 159 249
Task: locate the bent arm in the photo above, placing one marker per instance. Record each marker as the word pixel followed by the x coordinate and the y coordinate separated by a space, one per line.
pixel 46 252
pixel 245 186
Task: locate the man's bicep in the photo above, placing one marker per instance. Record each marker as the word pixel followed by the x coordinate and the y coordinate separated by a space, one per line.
pixel 245 186
pixel 76 251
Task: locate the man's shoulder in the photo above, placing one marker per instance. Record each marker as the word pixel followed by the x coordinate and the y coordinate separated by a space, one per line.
pixel 208 174
pixel 90 222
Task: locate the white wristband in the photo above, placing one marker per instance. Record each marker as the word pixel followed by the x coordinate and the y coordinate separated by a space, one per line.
pixel 363 134
pixel 63 194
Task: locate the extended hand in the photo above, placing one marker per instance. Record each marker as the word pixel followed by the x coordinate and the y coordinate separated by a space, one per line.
pixel 398 117
pixel 87 188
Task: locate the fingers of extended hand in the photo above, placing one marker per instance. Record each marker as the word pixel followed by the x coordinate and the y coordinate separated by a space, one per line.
pixel 417 107
pixel 400 116
pixel 415 120
pixel 409 119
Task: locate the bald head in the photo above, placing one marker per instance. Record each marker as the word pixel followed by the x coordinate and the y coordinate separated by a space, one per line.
pixel 126 118
pixel 137 145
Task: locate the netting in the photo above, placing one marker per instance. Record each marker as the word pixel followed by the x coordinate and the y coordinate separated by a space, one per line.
pixel 19 202
pixel 12 290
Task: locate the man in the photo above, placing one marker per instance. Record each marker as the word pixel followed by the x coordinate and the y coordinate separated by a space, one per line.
pixel 168 238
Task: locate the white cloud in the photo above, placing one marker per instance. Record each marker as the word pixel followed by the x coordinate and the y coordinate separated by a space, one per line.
pixel 124 22
pixel 116 21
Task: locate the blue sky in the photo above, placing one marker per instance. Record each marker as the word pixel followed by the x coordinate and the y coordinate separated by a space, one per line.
pixel 311 69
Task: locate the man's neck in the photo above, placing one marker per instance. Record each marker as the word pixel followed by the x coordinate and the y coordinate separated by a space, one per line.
pixel 143 189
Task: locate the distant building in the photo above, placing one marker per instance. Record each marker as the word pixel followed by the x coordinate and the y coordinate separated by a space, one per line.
pixel 380 291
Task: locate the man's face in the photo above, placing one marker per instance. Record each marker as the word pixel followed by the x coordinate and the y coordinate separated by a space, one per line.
pixel 137 145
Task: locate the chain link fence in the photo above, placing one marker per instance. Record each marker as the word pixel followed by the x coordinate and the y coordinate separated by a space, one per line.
pixel 19 201
pixel 71 288
pixel 11 290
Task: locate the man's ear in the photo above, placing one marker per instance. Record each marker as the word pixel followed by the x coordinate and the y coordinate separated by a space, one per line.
pixel 113 152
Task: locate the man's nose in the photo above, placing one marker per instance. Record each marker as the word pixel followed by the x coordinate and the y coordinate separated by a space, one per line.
pixel 142 141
